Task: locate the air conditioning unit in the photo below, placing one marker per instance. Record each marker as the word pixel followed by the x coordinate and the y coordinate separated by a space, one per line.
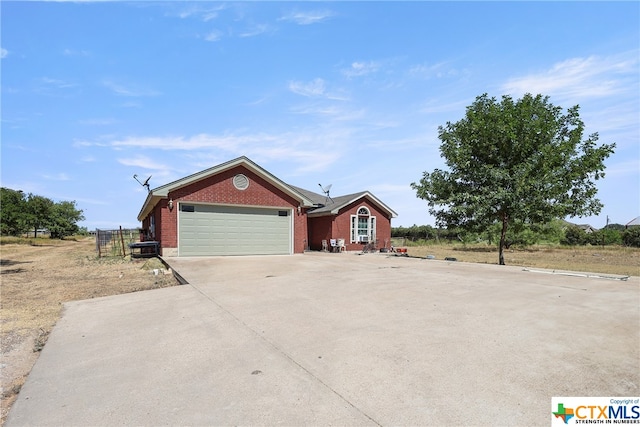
pixel 363 239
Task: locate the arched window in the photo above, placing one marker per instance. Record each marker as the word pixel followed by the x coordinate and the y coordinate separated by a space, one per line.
pixel 363 226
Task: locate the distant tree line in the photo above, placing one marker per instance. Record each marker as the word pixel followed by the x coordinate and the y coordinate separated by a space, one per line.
pixel 522 235
pixel 25 213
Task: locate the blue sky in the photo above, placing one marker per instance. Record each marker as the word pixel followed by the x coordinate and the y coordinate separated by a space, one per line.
pixel 343 93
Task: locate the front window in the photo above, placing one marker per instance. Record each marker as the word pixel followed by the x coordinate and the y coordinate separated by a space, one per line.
pixel 363 226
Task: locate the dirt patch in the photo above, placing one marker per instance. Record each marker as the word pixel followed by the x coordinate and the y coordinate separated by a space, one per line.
pixel 38 279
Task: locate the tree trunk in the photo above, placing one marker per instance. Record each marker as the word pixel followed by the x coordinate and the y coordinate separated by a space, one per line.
pixel 503 235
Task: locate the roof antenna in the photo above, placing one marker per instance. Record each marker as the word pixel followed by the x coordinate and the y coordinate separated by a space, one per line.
pixel 146 182
pixel 326 190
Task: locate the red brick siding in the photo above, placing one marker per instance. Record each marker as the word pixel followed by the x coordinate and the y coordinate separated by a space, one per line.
pixel 321 228
pixel 339 227
pixel 220 189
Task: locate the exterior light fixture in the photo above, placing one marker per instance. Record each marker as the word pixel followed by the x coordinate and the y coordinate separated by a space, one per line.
pixel 170 204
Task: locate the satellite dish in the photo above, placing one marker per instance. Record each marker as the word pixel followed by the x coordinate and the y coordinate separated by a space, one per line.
pixel 326 190
pixel 146 182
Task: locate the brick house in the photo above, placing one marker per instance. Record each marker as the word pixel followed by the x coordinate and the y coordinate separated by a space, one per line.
pixel 239 208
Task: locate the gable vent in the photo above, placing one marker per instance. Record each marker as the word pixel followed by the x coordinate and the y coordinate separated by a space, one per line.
pixel 241 182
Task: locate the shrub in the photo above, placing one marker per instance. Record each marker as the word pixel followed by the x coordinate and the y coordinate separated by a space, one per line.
pixel 631 237
pixel 574 235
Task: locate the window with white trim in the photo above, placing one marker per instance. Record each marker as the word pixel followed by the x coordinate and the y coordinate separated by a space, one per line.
pixel 363 226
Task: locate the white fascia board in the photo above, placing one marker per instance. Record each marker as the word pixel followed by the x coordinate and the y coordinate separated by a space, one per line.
pixel 163 191
pixel 372 197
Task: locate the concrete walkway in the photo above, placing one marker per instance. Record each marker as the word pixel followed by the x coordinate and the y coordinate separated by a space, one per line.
pixel 337 339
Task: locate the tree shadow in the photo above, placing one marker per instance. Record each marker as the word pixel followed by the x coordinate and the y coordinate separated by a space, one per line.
pixel 12 271
pixel 9 262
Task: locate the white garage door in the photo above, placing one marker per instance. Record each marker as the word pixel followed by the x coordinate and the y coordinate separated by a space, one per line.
pixel 233 230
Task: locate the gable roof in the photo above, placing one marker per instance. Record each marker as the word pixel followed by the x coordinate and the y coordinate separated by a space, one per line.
pixel 332 205
pixel 634 221
pixel 163 191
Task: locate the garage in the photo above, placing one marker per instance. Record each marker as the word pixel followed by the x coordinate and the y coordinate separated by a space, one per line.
pixel 205 229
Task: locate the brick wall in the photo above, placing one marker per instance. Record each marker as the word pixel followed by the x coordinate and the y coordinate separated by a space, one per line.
pixel 219 189
pixel 339 227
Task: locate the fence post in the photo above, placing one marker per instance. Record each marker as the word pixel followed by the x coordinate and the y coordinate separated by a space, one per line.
pixel 124 253
pixel 98 242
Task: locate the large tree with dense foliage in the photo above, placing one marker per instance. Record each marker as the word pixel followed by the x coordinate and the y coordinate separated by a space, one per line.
pixel 22 212
pixel 514 162
pixel 12 209
pixel 63 219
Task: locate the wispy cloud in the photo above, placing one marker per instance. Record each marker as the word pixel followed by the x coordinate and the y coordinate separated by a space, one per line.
pixel 307 17
pixel 205 13
pixel 316 87
pixel 438 70
pixel 74 52
pixel 130 90
pixel 57 83
pixel 97 122
pixel 257 30
pixel 623 168
pixel 57 177
pixel 54 87
pixel 213 36
pixel 143 162
pixel 435 106
pixel 579 78
pixel 3 53
pixel 311 149
pixel 335 112
pixel 361 68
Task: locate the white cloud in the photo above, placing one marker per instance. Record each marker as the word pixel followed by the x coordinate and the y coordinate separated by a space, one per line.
pixel 311 149
pixel 213 36
pixel 57 83
pixel 131 91
pixel 3 53
pixel 579 78
pixel 308 17
pixel 180 143
pixel 97 122
pixel 439 70
pixel 204 13
pixel 361 68
pixel 624 168
pixel 73 52
pixel 256 30
pixel 57 177
pixel 313 88
pixel 335 112
pixel 143 162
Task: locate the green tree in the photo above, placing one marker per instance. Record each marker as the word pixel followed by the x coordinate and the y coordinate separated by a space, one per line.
pixel 63 219
pixel 12 208
pixel 512 162
pixel 37 211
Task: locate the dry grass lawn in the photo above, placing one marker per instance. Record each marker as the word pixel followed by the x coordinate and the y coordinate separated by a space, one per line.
pixel 38 278
pixel 610 260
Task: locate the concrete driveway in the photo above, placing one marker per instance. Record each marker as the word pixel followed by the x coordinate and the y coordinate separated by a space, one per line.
pixel 338 339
